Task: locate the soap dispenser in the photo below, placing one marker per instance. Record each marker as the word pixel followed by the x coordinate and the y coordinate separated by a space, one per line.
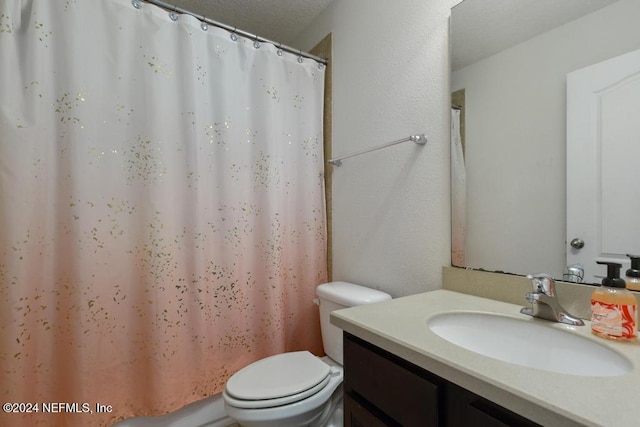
pixel 613 307
pixel 633 274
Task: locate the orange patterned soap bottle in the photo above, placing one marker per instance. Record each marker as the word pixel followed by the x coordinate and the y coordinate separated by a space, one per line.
pixel 614 310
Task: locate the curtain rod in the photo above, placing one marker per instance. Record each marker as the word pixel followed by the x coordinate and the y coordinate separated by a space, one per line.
pixel 418 139
pixel 172 8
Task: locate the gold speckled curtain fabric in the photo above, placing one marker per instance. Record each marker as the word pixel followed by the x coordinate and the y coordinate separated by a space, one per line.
pixel 162 217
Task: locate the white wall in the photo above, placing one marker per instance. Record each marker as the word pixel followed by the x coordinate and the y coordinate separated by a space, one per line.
pixel 515 152
pixel 390 79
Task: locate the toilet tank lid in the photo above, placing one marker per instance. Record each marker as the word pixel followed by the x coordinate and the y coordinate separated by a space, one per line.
pixel 349 294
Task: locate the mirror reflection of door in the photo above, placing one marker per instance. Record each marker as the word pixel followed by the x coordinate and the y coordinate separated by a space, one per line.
pixel 603 163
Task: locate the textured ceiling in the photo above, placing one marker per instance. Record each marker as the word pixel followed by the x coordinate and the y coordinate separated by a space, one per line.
pixel 479 27
pixel 483 27
pixel 276 20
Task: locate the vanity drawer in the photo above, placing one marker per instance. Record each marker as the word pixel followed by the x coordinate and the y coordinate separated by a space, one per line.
pixel 356 415
pixel 405 394
pixel 465 408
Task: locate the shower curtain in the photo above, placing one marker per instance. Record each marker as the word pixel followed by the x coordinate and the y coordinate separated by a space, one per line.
pixel 162 217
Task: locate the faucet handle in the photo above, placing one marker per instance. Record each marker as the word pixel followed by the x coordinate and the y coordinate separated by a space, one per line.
pixel 532 296
pixel 543 283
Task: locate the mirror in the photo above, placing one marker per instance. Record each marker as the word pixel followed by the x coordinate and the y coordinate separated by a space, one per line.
pixel 510 59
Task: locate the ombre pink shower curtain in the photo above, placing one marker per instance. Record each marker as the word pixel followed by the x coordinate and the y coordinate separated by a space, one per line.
pixel 161 209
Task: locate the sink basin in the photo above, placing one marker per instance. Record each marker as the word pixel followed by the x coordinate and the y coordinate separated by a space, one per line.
pixel 533 343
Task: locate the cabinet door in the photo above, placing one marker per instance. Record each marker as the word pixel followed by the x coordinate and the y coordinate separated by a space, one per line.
pixel 466 409
pixel 355 415
pixel 405 394
pixel 382 389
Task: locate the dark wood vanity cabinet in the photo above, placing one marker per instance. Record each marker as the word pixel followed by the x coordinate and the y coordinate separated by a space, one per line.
pixel 387 388
pixel 381 389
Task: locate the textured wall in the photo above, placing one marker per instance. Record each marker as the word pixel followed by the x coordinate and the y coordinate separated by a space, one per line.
pixel 391 223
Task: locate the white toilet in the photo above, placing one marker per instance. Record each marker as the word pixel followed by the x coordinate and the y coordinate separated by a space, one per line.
pixel 297 388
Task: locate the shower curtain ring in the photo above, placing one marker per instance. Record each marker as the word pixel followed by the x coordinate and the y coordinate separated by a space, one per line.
pixel 204 24
pixel 173 15
pixel 279 51
pixel 300 57
pixel 233 34
pixel 256 43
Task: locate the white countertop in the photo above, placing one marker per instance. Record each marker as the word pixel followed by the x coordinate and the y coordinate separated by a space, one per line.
pixel 550 399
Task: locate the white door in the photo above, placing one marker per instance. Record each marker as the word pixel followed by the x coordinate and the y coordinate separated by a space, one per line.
pixel 603 164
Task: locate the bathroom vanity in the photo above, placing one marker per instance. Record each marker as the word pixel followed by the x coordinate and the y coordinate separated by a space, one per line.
pixel 399 372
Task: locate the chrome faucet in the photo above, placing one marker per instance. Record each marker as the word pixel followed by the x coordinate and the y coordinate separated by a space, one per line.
pixel 544 303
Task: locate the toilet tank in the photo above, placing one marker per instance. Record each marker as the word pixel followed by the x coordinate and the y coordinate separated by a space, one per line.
pixel 335 296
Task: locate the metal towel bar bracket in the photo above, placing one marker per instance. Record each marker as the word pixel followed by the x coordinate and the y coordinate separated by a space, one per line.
pixel 420 139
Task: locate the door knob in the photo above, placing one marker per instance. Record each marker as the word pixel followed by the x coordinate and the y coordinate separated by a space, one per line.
pixel 577 243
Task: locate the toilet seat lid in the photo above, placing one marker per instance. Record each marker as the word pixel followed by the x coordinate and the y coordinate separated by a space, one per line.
pixel 278 376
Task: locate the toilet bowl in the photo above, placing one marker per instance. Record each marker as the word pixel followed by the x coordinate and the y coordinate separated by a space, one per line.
pixel 297 388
